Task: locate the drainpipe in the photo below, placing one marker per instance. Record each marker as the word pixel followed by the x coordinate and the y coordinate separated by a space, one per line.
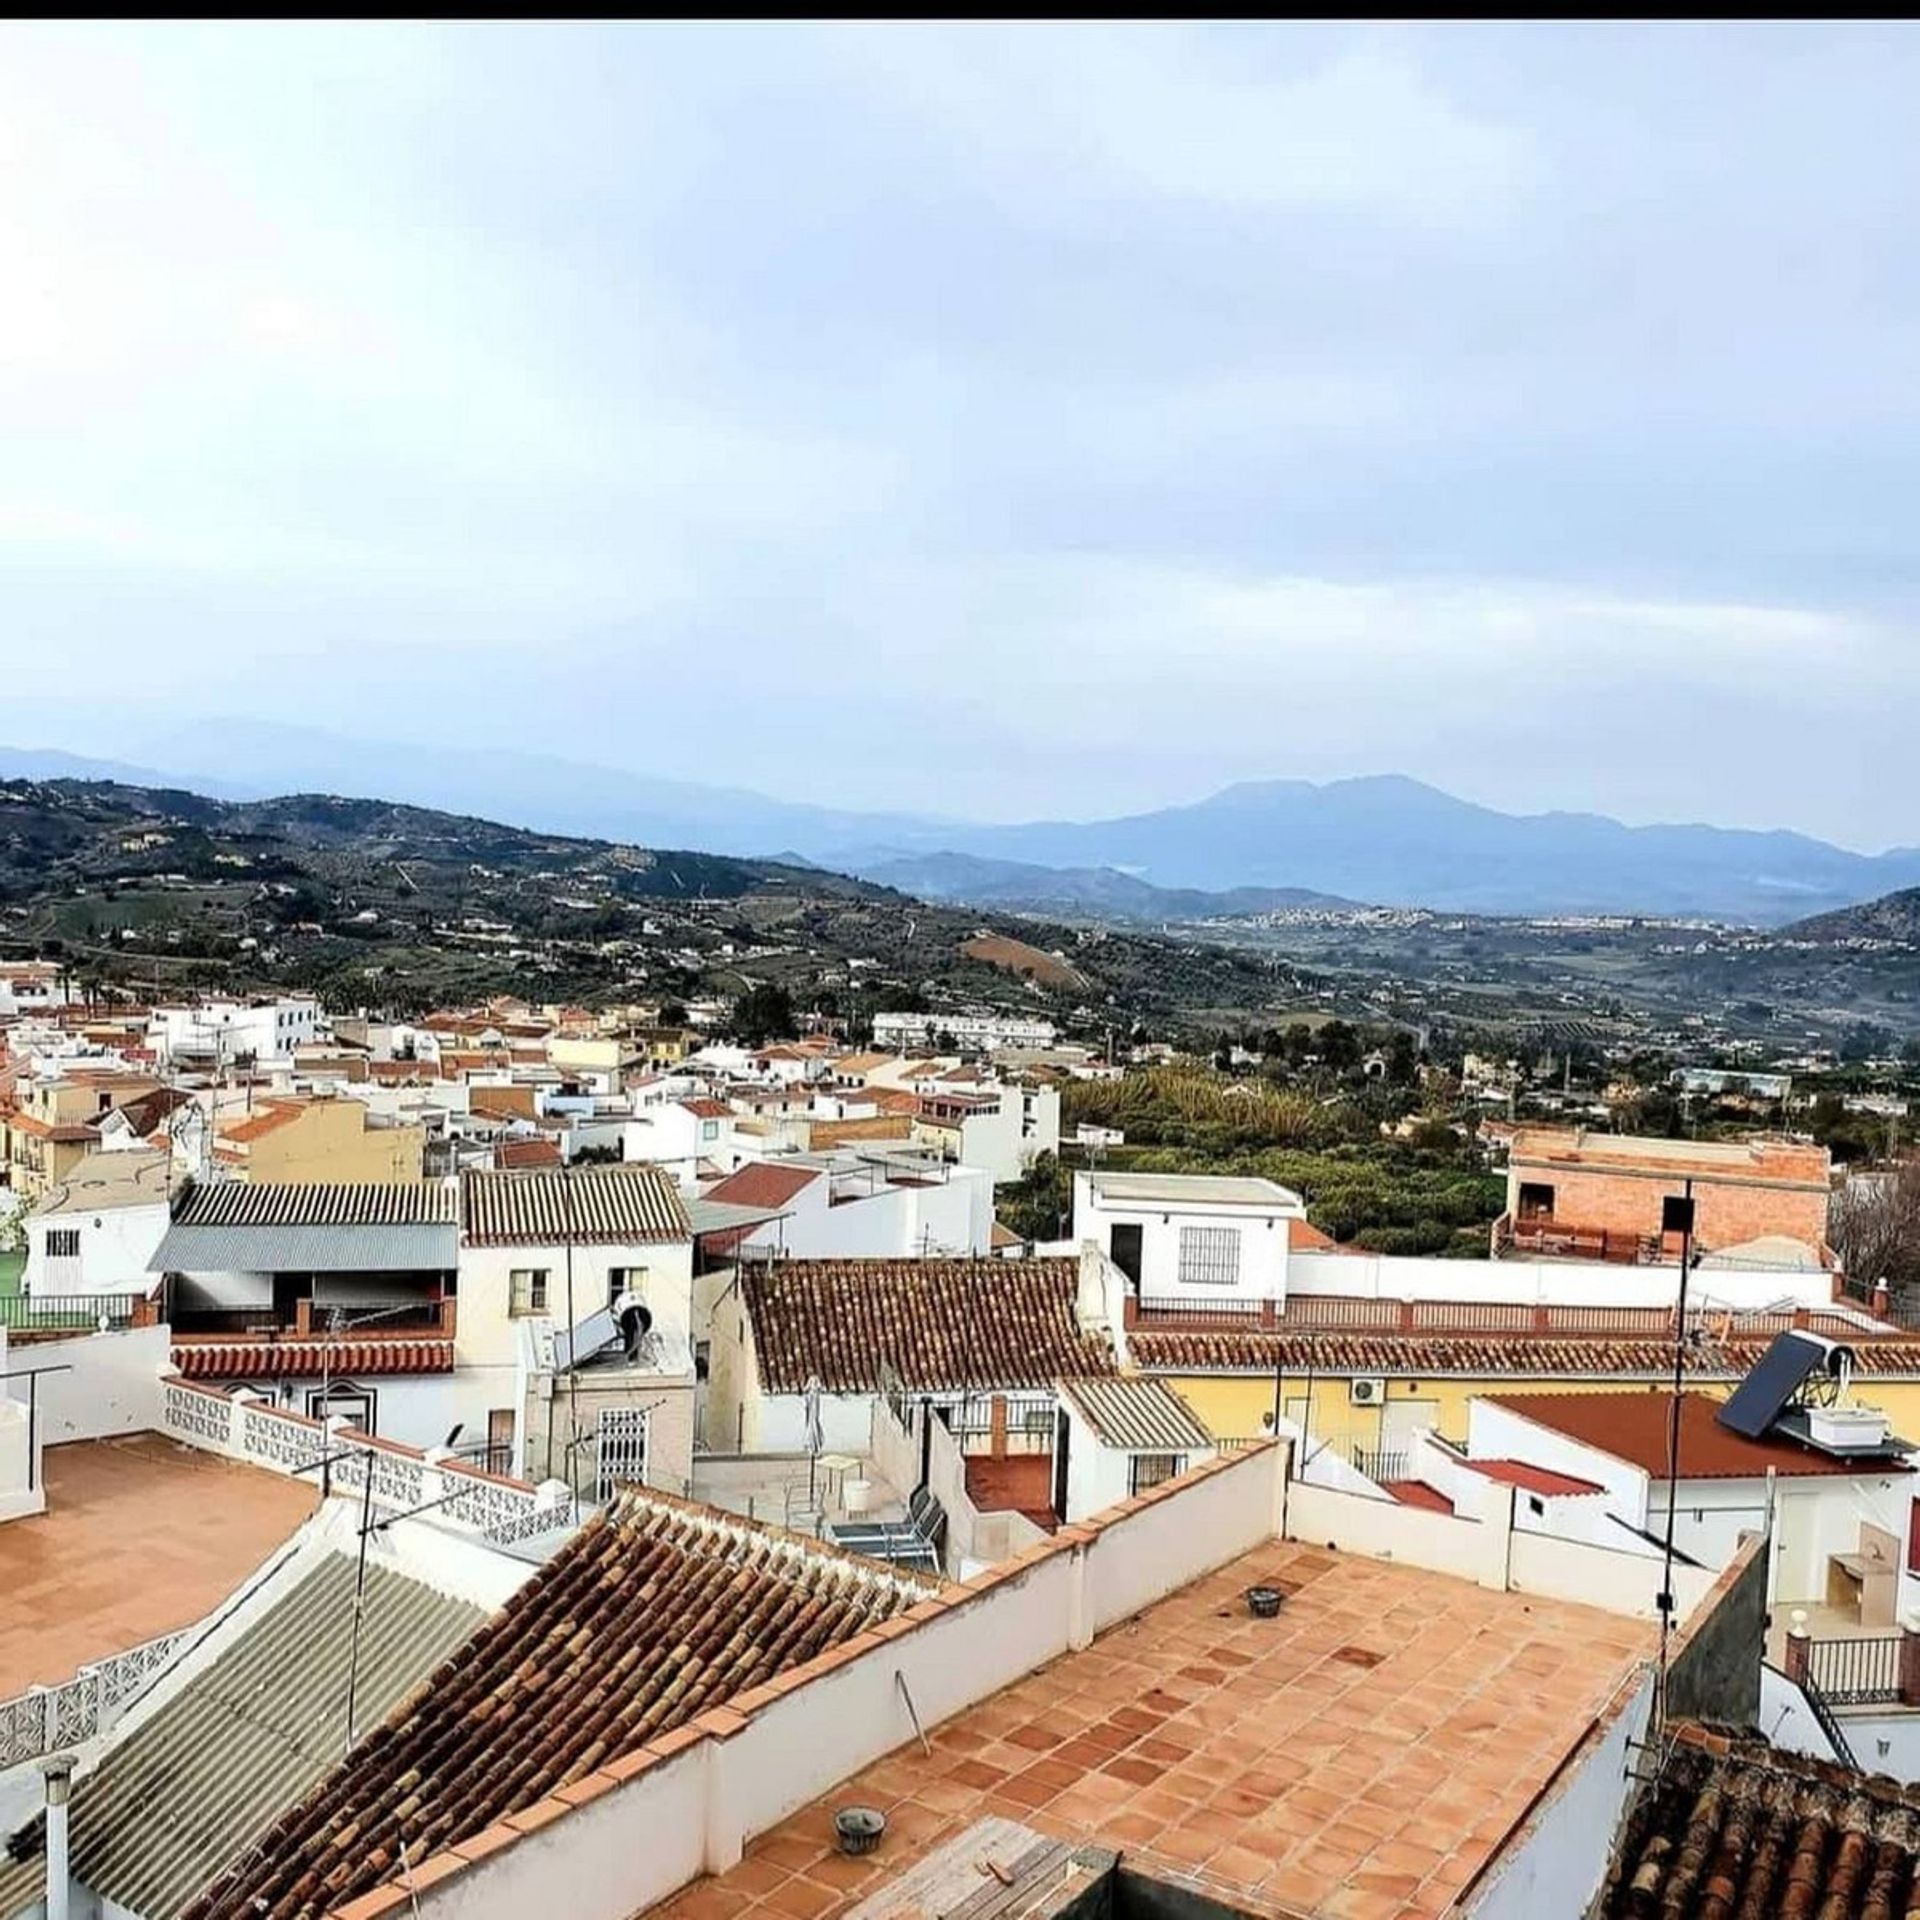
pixel 58 1769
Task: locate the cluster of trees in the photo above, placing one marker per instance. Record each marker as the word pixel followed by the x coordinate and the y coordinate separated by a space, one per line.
pixel 1876 1231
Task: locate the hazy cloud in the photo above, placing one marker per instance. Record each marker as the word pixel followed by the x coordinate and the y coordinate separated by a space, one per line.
pixel 981 419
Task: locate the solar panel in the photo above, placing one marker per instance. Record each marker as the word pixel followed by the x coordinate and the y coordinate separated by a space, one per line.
pixel 1771 1383
pixel 595 1333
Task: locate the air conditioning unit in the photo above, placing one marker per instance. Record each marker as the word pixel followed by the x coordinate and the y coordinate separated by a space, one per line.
pixel 1367 1393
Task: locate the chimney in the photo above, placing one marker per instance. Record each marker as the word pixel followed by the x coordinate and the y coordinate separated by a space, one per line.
pixel 58 1769
pixel 1090 1302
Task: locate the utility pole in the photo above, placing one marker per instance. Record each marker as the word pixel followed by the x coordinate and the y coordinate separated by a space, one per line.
pixel 1679 1212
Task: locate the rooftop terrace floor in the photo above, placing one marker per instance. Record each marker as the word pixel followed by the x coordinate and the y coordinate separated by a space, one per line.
pixel 1360 1756
pixel 141 1536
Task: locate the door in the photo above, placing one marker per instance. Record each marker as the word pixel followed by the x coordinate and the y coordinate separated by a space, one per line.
pixel 1061 1428
pixel 500 1440
pixel 620 1450
pixel 1123 1248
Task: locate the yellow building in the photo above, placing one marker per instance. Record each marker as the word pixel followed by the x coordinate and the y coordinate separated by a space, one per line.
pixel 50 1126
pixel 331 1141
pixel 1370 1392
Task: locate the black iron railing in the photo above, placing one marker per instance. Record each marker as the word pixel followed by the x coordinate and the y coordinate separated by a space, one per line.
pixel 1856 1672
pixel 1829 1723
pixel 65 1312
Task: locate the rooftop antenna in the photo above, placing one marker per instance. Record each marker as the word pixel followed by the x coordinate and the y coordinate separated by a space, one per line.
pixel 1676 1214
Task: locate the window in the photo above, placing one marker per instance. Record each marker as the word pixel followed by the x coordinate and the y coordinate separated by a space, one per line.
pixel 357 1405
pixel 621 1280
pixel 1209 1257
pixel 526 1291
pixel 709 1129
pixel 63 1243
pixel 1146 1470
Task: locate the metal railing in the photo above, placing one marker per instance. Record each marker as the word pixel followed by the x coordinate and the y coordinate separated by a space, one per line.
pixel 1216 1312
pixel 1379 1464
pixel 66 1312
pixel 191 1320
pixel 1855 1672
pixel 1030 1418
pixel 1818 1701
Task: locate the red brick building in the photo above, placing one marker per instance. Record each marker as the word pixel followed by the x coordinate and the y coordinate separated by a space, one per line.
pixel 1602 1195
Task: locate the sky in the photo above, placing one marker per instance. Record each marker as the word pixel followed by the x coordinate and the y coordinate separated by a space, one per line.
pixel 989 421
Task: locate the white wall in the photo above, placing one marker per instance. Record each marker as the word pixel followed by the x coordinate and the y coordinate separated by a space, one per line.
pixel 115 1246
pixel 1265 1269
pixel 1788 1721
pixel 485 1331
pixel 111 1386
pixel 1557 1283
pixel 1494 1433
pixel 953 1216
pixel 1558 1861
pixel 777 1423
pixel 1096 1473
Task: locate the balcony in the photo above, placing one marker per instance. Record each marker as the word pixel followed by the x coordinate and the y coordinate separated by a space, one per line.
pixel 417 1320
pixel 74 1312
pixel 1541 1237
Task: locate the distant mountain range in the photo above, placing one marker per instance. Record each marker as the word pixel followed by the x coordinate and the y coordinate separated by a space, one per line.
pixel 1385 839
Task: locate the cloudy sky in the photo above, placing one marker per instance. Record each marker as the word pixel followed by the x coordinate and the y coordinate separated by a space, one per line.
pixel 979 420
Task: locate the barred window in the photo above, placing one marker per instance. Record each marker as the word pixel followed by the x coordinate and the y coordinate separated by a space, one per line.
pixel 1146 1470
pixel 63 1243
pixel 1209 1256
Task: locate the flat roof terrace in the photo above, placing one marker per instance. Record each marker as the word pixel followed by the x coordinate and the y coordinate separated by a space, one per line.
pixel 1364 1754
pixel 141 1537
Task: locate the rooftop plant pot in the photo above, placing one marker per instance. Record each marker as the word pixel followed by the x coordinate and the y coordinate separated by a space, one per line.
pixel 1264 1602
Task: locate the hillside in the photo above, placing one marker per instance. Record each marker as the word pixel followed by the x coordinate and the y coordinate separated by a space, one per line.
pixel 1386 840
pixel 1101 893
pixel 375 903
pixel 1893 917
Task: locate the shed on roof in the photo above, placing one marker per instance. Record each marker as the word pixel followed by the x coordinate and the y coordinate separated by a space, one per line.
pixel 1136 1413
pixel 274 1227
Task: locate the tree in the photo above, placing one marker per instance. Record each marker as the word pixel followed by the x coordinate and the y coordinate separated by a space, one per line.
pixel 1876 1228
pixel 1039 1205
pixel 764 1012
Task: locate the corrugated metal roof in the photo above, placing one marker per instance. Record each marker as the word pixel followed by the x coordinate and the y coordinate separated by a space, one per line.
pixel 291 1203
pixel 1138 1415
pixel 192 1788
pixel 589 1206
pixel 311 1247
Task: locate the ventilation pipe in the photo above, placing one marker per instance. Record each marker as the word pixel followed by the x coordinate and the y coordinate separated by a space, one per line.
pixel 58 1769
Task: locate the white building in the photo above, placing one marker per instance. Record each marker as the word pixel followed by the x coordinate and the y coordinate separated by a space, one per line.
pixel 1115 1437
pixel 216 1033
pixel 981 1032
pixel 861 1203
pixel 96 1231
pixel 1000 1129
pixel 687 1139
pixel 1189 1238
pixel 1823 1507
pixel 30 987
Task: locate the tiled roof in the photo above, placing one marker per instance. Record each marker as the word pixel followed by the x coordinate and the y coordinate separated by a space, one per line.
pixel 1738 1827
pixel 1138 1414
pixel 1531 1479
pixel 271 1117
pixel 246 1203
pixel 1304 1237
pixel 589 1206
pixel 258 1359
pixel 654 1613
pixel 1540 1356
pixel 936 1324
pixel 762 1183
pixel 512 1154
pixel 707 1109
pixel 173 1803
pixel 1417 1493
pixel 1634 1427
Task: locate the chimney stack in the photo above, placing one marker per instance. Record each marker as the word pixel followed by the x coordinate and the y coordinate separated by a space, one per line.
pixel 58 1769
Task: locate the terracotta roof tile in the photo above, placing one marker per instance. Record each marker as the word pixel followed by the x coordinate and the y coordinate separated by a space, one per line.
pixel 763 1183
pixel 1736 1826
pixel 511 1154
pixel 258 1359
pixel 652 1616
pixel 936 1324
